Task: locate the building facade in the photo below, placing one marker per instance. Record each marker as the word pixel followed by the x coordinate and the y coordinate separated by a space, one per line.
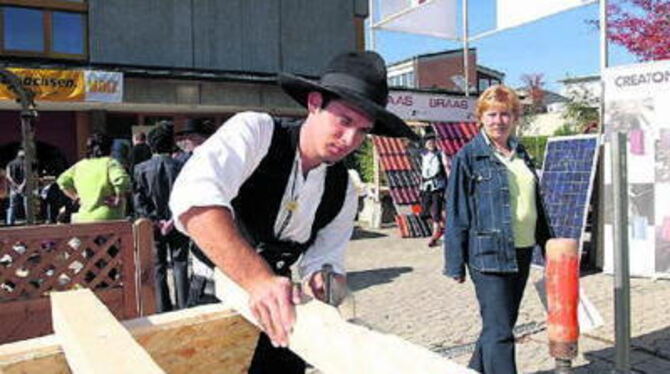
pixel 443 71
pixel 164 59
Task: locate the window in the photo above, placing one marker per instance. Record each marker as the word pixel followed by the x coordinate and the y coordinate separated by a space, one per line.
pixel 23 29
pixel 67 30
pixel 51 28
pixel 484 84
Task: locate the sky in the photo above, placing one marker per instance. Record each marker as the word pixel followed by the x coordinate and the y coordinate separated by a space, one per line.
pixel 563 45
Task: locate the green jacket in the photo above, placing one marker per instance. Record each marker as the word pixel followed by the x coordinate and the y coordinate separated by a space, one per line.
pixel 95 180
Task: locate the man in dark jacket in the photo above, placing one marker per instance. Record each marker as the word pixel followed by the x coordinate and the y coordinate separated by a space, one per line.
pixel 17 184
pixel 151 191
pixel 140 151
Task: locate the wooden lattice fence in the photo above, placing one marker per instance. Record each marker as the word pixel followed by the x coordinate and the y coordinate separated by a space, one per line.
pixel 101 256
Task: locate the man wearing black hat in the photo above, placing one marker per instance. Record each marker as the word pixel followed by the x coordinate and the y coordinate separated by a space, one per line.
pixel 152 183
pixel 191 136
pixel 263 192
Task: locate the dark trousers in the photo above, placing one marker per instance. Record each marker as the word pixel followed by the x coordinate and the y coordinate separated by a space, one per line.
pixel 431 205
pixel 17 202
pixel 176 245
pixel 270 360
pixel 499 296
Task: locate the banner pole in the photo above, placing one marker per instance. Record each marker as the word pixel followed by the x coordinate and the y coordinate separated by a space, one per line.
pixel 466 63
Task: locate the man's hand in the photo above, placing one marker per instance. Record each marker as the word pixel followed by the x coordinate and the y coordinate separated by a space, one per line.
pixel 315 287
pixel 165 226
pixel 272 301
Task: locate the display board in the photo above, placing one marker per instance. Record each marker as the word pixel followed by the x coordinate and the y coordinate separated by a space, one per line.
pixel 567 184
pixel 637 102
pixel 398 159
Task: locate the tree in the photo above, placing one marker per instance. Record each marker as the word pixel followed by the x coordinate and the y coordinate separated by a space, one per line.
pixel 641 26
pixel 533 104
pixel 581 113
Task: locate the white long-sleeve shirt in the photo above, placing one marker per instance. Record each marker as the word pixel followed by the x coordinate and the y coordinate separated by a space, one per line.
pixel 219 167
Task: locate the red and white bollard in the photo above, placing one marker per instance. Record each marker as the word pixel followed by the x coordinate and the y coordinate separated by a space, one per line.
pixel 562 284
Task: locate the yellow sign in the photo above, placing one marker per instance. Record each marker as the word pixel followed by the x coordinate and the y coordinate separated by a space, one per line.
pixel 51 85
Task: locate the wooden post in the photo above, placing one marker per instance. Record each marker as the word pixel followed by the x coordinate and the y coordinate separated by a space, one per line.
pixel 143 232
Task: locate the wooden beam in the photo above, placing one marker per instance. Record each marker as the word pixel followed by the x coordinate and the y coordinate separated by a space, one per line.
pixel 93 340
pixel 201 340
pixel 332 345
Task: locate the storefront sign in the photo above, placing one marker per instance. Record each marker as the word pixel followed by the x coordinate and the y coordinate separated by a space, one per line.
pixel 417 106
pixel 51 85
pixel 104 86
pixel 68 85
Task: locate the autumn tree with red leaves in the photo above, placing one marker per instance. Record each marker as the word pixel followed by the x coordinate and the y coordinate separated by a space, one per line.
pixel 641 26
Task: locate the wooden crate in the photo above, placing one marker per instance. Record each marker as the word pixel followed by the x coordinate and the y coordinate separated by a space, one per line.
pixel 88 339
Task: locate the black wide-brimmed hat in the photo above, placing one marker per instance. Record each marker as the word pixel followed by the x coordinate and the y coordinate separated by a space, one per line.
pixel 161 137
pixel 358 78
pixel 198 126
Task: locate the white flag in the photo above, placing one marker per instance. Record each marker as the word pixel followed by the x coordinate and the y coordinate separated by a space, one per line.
pixel 512 13
pixel 427 17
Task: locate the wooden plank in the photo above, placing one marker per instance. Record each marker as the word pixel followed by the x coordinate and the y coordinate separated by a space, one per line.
pixel 348 348
pixel 93 340
pixel 143 232
pixel 206 339
pixel 40 355
pixel 23 233
pixel 201 340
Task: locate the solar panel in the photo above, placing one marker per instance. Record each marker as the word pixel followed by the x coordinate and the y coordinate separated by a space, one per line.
pixel 567 183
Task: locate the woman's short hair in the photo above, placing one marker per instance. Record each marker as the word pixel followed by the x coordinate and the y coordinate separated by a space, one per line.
pixel 498 96
pixel 98 145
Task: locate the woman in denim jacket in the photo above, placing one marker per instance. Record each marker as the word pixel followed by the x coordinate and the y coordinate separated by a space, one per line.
pixel 494 220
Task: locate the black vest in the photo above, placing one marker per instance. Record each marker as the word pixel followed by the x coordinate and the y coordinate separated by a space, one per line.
pixel 259 198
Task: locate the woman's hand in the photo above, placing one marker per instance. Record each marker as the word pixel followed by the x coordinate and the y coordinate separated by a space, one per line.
pixel 113 201
pixel 460 279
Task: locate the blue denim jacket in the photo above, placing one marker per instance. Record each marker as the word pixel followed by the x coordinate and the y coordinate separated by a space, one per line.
pixel 479 219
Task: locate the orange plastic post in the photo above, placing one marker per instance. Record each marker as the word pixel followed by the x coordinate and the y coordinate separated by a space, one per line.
pixel 562 284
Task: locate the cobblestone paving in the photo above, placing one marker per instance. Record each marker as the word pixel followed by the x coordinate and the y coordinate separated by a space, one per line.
pixel 399 288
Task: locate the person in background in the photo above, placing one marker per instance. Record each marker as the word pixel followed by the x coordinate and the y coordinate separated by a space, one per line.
pixel 495 217
pixel 140 151
pixel 264 193
pixel 98 183
pixel 15 173
pixel 433 184
pixel 152 182
pixel 191 136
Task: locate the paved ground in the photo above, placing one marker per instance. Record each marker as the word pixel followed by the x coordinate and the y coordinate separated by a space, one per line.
pixel 398 288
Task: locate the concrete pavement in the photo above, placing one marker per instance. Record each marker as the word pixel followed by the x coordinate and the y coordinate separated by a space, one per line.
pixel 398 288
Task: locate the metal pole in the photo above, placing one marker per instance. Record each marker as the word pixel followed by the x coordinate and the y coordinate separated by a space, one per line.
pixel 604 61
pixel 466 63
pixel 621 263
pixel 375 156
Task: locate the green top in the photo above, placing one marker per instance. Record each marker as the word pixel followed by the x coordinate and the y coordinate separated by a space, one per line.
pixel 94 180
pixel 522 187
pixel 522 198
